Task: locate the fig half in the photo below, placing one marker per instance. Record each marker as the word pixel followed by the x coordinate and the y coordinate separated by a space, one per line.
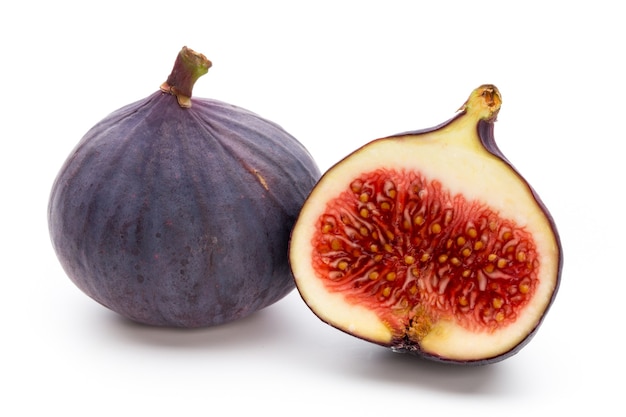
pixel 430 242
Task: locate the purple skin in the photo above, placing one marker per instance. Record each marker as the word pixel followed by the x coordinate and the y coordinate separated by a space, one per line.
pixel 180 217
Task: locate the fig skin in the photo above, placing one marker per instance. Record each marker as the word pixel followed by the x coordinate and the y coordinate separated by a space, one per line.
pixel 462 155
pixel 176 211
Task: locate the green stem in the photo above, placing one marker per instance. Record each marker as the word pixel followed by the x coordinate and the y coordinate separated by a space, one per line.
pixel 188 67
pixel 484 103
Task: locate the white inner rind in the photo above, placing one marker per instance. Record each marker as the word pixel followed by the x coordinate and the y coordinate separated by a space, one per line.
pixel 462 166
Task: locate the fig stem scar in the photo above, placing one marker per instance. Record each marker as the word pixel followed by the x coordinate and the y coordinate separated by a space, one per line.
pixel 483 103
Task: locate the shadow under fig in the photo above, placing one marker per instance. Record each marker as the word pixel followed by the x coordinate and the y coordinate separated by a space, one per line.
pixel 407 370
pixel 326 350
pixel 257 328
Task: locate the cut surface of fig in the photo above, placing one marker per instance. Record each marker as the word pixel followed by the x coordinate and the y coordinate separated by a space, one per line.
pixel 430 242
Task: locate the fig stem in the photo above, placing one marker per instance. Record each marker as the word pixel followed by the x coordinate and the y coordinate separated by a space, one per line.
pixel 484 103
pixel 188 67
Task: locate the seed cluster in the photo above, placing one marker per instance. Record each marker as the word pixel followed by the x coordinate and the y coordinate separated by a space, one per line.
pixel 405 247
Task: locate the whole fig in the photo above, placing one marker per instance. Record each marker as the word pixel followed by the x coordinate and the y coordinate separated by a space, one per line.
pixel 177 211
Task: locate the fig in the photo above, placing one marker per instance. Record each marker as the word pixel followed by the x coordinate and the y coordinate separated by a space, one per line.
pixel 430 242
pixel 177 211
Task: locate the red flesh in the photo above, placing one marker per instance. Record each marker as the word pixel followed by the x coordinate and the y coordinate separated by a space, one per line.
pixel 404 247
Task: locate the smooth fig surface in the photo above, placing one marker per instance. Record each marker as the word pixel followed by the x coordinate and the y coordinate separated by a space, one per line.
pixel 430 242
pixel 176 211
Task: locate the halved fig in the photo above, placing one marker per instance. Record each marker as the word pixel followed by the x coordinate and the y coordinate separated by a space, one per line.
pixel 430 242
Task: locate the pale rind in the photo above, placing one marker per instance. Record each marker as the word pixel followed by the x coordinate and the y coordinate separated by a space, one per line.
pixel 463 166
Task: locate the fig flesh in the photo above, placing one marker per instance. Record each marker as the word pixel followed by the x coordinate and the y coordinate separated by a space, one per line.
pixel 430 242
pixel 177 211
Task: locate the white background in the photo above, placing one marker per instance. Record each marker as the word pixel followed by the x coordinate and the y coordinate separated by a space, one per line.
pixel 335 74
